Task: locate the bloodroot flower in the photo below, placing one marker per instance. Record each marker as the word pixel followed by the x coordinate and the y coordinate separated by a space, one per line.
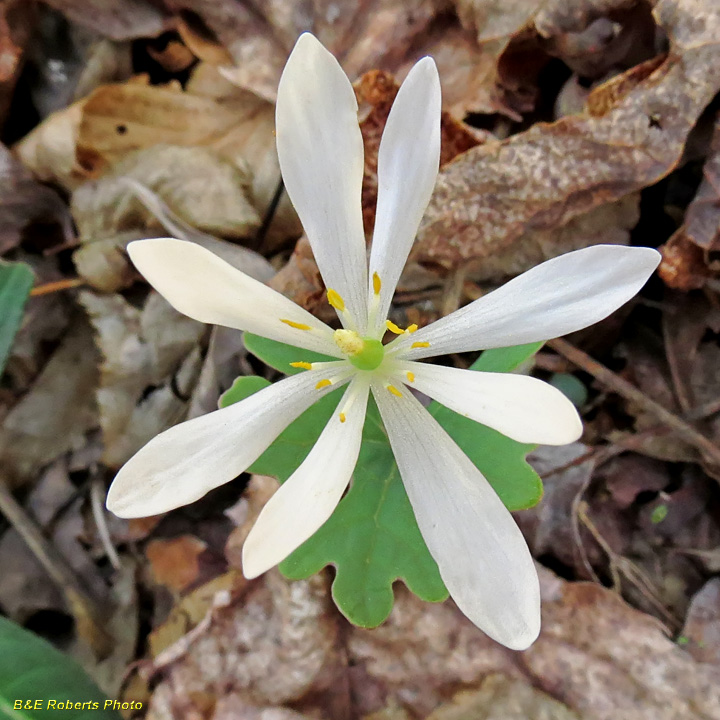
pixel 481 554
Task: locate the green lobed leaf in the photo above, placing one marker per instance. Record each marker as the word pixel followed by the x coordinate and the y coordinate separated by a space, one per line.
pixel 33 670
pixel 16 281
pixel 372 538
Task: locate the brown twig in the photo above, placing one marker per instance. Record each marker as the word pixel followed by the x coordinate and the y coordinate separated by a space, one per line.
pixel 86 611
pixel 622 387
pixel 56 286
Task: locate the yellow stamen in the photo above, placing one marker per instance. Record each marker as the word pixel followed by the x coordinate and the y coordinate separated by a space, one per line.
pixel 420 344
pixel 296 325
pixel 377 284
pixel 348 341
pixel 393 390
pixel 392 327
pixel 412 328
pixel 335 300
pixel 410 376
pixel 303 365
pixel 323 384
pixel 342 417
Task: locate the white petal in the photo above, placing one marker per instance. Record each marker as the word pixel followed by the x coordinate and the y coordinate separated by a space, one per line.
pixel 557 297
pixel 200 285
pixel 308 497
pixel 523 408
pixel 185 462
pixel 482 555
pixel 408 162
pixel 321 157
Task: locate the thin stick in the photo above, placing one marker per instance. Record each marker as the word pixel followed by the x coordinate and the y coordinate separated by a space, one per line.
pixel 56 286
pixel 97 497
pixel 622 387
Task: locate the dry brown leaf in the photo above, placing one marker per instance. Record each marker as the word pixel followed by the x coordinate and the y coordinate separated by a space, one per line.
pixel 686 264
pixel 55 414
pixel 175 562
pixel 596 659
pixel 503 698
pixel 202 188
pixel 116 19
pixel 702 626
pixel 17 26
pixel 382 34
pixel 544 177
pixel 25 202
pixel 141 350
pixel 49 149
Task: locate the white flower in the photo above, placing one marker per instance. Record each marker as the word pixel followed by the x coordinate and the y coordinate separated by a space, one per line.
pixel 481 554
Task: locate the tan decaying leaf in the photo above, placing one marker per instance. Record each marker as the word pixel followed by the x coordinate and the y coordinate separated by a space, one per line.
pixel 202 188
pixel 156 347
pixel 56 412
pixel 49 149
pixel 542 178
pixel 116 19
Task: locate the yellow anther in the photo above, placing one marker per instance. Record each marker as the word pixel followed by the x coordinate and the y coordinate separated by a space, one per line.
pixel 392 327
pixel 323 383
pixel 420 344
pixel 342 417
pixel 303 365
pixel 348 341
pixel 410 376
pixel 296 325
pixel 412 328
pixel 377 284
pixel 335 300
pixel 392 389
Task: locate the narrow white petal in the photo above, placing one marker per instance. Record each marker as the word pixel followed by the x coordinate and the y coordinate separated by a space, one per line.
pixel 185 462
pixel 408 162
pixel 523 408
pixel 200 285
pixel 308 497
pixel 482 555
pixel 321 157
pixel 557 297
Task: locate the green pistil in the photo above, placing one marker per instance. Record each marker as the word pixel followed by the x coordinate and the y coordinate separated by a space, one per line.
pixel 371 355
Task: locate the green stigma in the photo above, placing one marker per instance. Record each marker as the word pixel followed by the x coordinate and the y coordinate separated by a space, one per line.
pixel 364 353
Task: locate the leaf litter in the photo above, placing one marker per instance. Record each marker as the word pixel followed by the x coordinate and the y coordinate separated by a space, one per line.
pixel 176 137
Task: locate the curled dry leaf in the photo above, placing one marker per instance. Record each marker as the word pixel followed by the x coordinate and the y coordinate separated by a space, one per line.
pixel 175 562
pixel 154 348
pixel 685 263
pixel 544 177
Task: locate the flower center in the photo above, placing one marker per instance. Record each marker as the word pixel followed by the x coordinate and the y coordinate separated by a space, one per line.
pixel 363 352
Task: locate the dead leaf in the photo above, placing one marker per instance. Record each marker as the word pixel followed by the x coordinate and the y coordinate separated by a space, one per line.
pixel 55 414
pixel 116 19
pixel 17 26
pixel 686 264
pixel 49 149
pixel 202 188
pixel 175 562
pixel 24 202
pixel 503 698
pixel 702 626
pixel 141 350
pixel 542 178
